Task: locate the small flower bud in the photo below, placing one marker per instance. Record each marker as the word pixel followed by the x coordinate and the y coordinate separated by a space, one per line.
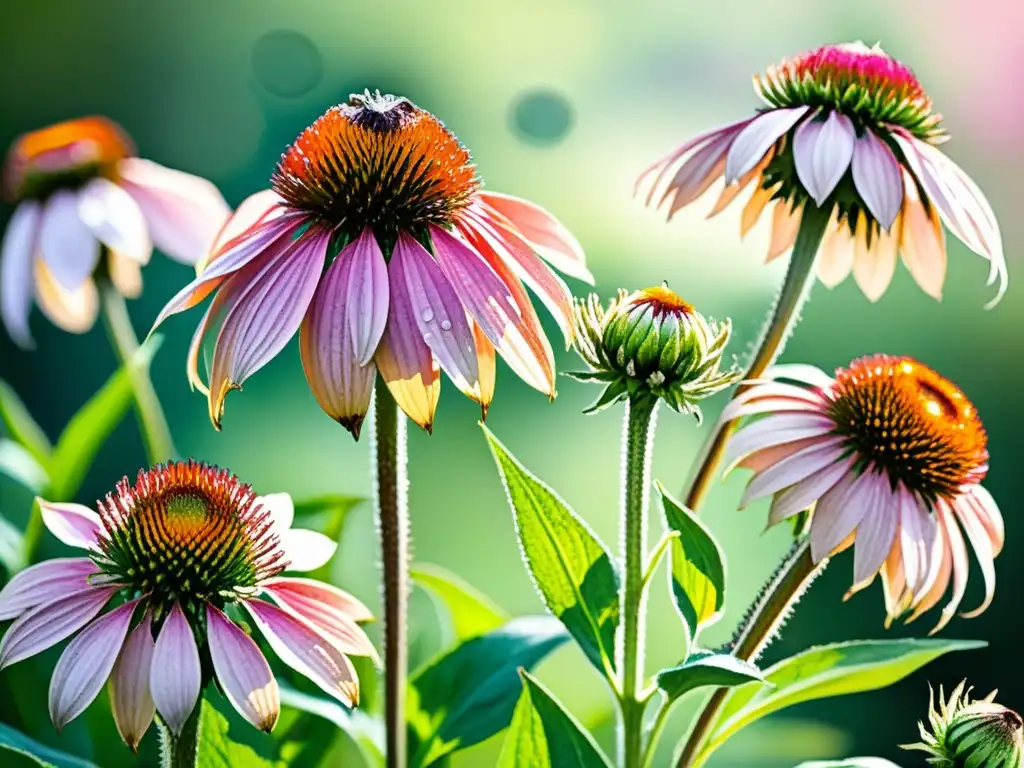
pixel 651 343
pixel 971 734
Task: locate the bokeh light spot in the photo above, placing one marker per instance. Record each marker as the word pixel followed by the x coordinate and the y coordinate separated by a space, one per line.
pixel 287 63
pixel 542 116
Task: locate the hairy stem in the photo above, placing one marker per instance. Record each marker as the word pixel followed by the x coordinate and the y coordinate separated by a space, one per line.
pixel 391 486
pixel 155 433
pixel 794 293
pixel 181 751
pixel 763 622
pixel 638 440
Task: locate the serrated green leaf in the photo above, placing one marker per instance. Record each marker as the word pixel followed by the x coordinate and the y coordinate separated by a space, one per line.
pixel 468 694
pixel 851 762
pixel 21 426
pixel 366 733
pixel 470 613
pixel 704 668
pixel 92 424
pixel 217 750
pixel 829 670
pixel 40 754
pixel 21 465
pixel 544 735
pixel 570 566
pixel 698 567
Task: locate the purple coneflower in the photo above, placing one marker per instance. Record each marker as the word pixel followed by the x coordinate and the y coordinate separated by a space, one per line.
pixel 891 455
pixel 86 206
pixel 182 555
pixel 423 270
pixel 848 130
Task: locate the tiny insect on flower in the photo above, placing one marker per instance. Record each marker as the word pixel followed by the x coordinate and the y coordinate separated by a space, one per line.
pixel 181 554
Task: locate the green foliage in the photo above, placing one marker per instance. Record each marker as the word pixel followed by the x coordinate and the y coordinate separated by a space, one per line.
pixel 217 750
pixel 21 426
pixel 40 754
pixel 704 668
pixel 570 566
pixel 469 693
pixel 366 732
pixel 21 465
pixel 544 735
pixel 12 546
pixel 698 567
pixel 470 613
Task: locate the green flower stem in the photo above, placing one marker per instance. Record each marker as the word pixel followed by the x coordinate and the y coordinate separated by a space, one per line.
pixel 790 580
pixel 391 486
pixel 155 432
pixel 638 440
pixel 795 290
pixel 660 720
pixel 181 751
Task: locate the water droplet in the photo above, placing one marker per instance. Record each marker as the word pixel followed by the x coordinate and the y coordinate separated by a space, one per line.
pixel 427 315
pixel 446 325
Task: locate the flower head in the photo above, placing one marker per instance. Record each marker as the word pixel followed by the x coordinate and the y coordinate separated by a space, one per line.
pixel 423 272
pixel 891 456
pixel 181 556
pixel 87 206
pixel 651 342
pixel 968 733
pixel 849 130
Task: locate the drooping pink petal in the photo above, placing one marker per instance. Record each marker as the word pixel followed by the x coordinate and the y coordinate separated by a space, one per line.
pixel 242 671
pixel 785 225
pixel 74 524
pixel 317 591
pixel 486 359
pixel 86 664
pixel 793 469
pixel 128 690
pixel 44 583
pixel 755 206
pixel 337 626
pixel 989 515
pixel 548 236
pixel 798 497
pixel 696 175
pixel 759 461
pixel 775 430
pixel 184 212
pixel 840 511
pixel 70 249
pixel 807 374
pixel 306 550
pixel 254 210
pixel 305 651
pixel 837 251
pixel 265 315
pixel 49 623
pixel 822 152
pixel 874 263
pixel 875 534
pixel 936 581
pixel 114 219
pixel 738 409
pixel 916 533
pixel 961 564
pixel 878 177
pixel 436 309
pixel 74 311
pixel 982 547
pixel 894 585
pixel 923 243
pixel 176 675
pixel 16 256
pixel 731 191
pixel 367 295
pixel 756 138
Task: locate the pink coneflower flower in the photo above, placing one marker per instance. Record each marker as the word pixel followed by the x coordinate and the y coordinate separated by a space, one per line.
pixel 181 556
pixel 424 270
pixel 86 206
pixel 848 130
pixel 891 455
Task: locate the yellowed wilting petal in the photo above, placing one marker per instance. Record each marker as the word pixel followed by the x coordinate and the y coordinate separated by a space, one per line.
pixel 487 361
pixel 125 274
pixel 785 224
pixel 74 311
pixel 837 250
pixel 755 205
pixel 923 245
pixel 874 264
pixel 415 389
pixel 731 191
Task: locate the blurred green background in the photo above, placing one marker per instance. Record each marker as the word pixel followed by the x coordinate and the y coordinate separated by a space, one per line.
pixel 562 103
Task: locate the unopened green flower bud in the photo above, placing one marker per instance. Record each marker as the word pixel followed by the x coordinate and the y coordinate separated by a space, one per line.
pixel 651 343
pixel 965 733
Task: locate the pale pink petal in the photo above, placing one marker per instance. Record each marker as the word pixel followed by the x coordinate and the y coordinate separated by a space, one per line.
pixel 16 257
pixel 184 212
pixel 738 409
pixel 114 219
pixel 822 151
pixel 769 388
pixel 70 249
pixel 878 177
pixel 44 583
pixel 806 374
pixel 751 143
pixel 775 430
pixel 875 534
pixel 242 671
pixel 255 209
pixel 982 546
pixel 306 651
pixel 73 311
pixel 923 244
pixel 306 550
pixel 337 626
pixel 128 689
pixel 936 581
pixel 793 469
pixel 961 564
pixel 280 508
pixel 548 236
pixel 759 461
pixel 47 624
pixel 86 664
pixel 837 250
pixel 785 225
pixel 916 533
pixel 700 170
pixel 840 511
pixel 74 524
pixel 990 516
pixel 803 494
pixel 366 293
pixel 307 590
pixel 874 264
pixel 176 675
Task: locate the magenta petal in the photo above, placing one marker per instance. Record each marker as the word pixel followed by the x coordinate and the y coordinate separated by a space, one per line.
pixel 242 671
pixel 47 624
pixel 69 248
pixel 44 583
pixel 130 698
pixel 86 664
pixel 365 293
pixel 16 278
pixel 74 524
pixel 436 310
pixel 822 151
pixel 337 626
pixel 878 178
pixel 176 675
pixel 757 138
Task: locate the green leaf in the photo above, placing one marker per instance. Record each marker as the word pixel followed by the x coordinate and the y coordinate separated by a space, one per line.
pixel 704 668
pixel 327 514
pixel 830 670
pixel 12 548
pixel 21 465
pixel 92 424
pixel 40 754
pixel 217 750
pixel 544 735
pixel 698 567
pixel 571 568
pixel 468 694
pixel 366 732
pixel 21 426
pixel 470 613
pixel 851 762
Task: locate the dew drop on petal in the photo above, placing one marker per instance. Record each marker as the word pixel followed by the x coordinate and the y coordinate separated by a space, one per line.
pixel 446 325
pixel 427 315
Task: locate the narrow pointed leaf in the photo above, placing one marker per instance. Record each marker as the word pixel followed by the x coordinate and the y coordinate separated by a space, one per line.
pixel 704 668
pixel 470 613
pixel 21 465
pixel 38 754
pixel 12 547
pixel 21 426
